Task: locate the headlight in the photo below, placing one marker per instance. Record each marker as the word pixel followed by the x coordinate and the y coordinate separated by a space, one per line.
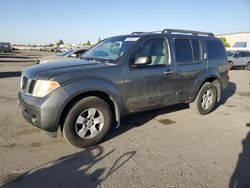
pixel 44 87
pixel 45 61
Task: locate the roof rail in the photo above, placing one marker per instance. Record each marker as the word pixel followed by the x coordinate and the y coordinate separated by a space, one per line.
pixel 141 32
pixel 187 31
pixel 137 32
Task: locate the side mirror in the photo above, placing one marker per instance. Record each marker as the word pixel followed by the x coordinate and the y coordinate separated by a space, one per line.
pixel 139 61
pixel 73 55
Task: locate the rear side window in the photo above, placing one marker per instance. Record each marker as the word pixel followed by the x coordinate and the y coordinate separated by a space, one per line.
pixel 183 50
pixel 244 54
pixel 196 49
pixel 188 50
pixel 215 50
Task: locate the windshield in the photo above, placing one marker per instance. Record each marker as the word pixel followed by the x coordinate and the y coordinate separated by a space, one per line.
pixel 110 49
pixel 66 53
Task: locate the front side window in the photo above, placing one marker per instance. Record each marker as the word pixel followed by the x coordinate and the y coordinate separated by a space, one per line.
pixel 236 55
pixel 110 49
pixel 230 54
pixel 157 49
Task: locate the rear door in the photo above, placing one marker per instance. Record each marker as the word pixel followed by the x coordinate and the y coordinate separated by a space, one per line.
pixel 189 64
pixel 150 85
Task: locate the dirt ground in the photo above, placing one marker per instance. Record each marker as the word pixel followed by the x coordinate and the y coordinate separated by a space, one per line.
pixel 169 147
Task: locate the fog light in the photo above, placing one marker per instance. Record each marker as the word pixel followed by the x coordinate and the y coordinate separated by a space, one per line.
pixel 34 119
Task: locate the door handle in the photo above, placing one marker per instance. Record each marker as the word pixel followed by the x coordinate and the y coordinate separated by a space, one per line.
pixel 168 72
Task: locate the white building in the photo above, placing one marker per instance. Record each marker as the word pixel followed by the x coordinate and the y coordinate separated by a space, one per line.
pixel 240 39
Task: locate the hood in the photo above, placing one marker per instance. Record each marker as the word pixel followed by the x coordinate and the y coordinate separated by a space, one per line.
pixel 51 58
pixel 48 70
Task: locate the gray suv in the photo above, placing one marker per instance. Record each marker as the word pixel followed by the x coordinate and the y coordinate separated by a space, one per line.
pixel 123 75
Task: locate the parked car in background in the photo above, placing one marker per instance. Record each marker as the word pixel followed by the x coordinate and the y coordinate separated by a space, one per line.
pixel 239 58
pixel 5 47
pixel 71 53
pixel 121 75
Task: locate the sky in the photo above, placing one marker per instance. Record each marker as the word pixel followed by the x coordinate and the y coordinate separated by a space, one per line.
pixel 76 21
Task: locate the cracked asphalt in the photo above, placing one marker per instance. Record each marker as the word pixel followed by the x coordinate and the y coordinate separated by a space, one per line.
pixel 169 147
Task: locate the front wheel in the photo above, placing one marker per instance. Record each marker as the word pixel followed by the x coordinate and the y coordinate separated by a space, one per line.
pixel 87 122
pixel 205 99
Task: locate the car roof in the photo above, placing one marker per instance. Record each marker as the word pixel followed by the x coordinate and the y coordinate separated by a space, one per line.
pixel 171 32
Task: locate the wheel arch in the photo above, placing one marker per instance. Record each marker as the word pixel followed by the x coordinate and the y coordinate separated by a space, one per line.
pixel 97 93
pixel 211 77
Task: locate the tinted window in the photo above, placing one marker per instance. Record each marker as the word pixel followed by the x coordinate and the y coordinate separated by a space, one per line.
pixel 183 50
pixel 196 49
pixel 154 48
pixel 215 50
pixel 244 54
pixel 241 54
pixel 229 54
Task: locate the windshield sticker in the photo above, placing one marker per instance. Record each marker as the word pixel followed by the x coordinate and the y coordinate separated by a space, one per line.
pixel 131 39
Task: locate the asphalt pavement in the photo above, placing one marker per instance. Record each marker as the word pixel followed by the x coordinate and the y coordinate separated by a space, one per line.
pixel 169 147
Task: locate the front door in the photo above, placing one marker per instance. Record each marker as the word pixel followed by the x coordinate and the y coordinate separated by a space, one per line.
pixel 151 85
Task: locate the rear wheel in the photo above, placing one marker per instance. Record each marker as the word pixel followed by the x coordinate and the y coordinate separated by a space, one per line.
pixel 205 99
pixel 87 122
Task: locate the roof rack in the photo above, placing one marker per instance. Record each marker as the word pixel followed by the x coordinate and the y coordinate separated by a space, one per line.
pixel 187 31
pixel 141 32
pixel 137 32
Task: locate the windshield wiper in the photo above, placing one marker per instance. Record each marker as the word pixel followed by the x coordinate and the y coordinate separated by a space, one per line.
pixel 101 60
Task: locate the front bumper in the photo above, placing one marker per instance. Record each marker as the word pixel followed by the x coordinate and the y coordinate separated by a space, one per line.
pixel 43 113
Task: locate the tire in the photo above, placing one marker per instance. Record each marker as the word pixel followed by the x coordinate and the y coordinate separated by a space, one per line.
pixel 199 105
pixel 80 129
pixel 248 66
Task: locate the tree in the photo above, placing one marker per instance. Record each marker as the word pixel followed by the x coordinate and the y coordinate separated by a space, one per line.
pixel 59 42
pixel 224 41
pixel 88 43
pixel 99 39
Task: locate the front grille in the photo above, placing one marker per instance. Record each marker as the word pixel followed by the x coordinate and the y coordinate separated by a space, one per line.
pixel 27 85
pixel 24 82
pixel 31 86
